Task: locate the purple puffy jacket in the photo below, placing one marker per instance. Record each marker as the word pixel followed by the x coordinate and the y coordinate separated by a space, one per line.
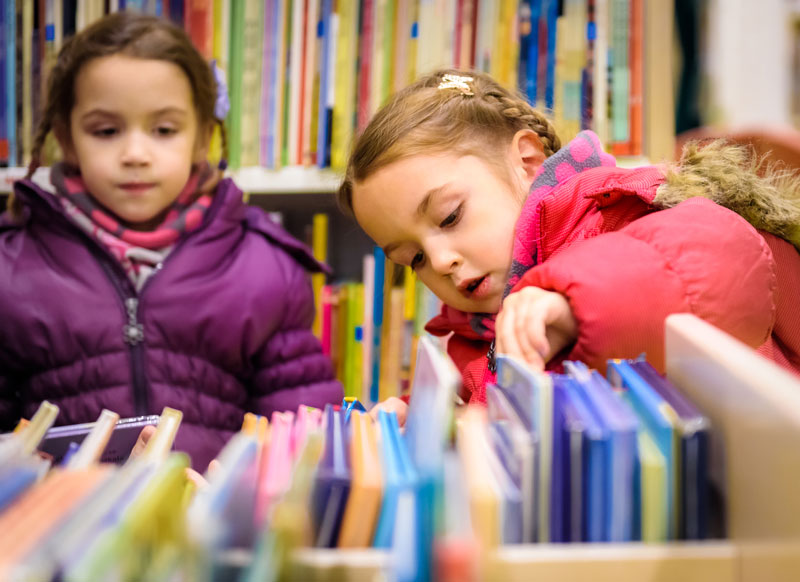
pixel 225 324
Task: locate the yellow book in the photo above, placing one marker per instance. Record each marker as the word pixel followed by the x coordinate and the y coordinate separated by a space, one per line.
pixel 345 83
pixel 366 488
pixel 319 247
pixel 654 490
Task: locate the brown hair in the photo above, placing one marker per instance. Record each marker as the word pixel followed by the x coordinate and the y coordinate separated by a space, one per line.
pixel 131 34
pixel 421 118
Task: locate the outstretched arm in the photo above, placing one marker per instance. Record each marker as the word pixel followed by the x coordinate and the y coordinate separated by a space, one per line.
pixel 697 257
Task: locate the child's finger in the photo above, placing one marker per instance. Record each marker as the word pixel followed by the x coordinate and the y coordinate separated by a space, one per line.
pixel 531 335
pixel 506 337
pixel 391 404
pixel 144 436
pixel 196 478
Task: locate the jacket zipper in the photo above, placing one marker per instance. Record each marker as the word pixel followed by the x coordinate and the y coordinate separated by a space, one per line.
pixel 133 336
pixel 133 333
pixel 132 330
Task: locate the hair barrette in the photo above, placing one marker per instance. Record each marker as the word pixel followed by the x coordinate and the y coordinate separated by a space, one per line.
pixel 456 82
pixel 222 102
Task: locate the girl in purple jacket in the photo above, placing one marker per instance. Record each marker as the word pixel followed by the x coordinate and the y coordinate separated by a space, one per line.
pixel 139 279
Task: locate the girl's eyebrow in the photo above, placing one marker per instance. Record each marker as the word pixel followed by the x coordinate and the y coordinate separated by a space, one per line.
pixel 100 112
pixel 429 196
pixel 422 208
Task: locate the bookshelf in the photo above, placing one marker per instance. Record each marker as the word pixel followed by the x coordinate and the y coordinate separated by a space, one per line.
pixel 754 408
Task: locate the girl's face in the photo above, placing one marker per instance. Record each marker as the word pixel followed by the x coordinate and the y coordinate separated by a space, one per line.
pixel 451 218
pixel 134 134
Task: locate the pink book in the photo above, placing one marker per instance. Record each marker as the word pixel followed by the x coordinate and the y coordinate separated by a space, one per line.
pixel 276 465
pixel 325 328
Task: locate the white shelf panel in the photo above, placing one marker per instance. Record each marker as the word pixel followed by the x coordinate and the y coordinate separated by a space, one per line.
pixel 255 180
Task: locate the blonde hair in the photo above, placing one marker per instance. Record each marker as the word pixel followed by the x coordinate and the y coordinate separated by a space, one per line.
pixel 480 120
pixel 767 195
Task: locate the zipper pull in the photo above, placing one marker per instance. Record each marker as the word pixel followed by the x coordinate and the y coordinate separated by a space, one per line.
pixel 133 331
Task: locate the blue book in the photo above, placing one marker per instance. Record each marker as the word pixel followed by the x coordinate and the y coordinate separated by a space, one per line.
pixel 326 33
pixel 10 95
pixel 400 479
pixel 621 425
pixel 657 417
pixel 332 481
pixel 377 322
pixel 550 16
pixel 578 430
pixel 693 431
pixel 434 388
pixel 560 474
pixel 589 444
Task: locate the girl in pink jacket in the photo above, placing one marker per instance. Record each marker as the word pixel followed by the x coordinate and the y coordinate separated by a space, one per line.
pixel 466 183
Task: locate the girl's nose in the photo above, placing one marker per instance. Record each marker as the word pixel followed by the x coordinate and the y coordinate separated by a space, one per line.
pixel 444 261
pixel 135 151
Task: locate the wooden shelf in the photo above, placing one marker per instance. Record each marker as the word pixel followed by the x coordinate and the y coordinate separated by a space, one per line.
pixel 255 180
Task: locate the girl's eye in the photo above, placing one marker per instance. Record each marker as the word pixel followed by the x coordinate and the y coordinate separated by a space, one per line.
pixel 165 130
pixel 417 260
pixel 452 218
pixel 105 132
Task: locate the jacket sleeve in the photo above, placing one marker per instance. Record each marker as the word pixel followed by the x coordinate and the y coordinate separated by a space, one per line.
pixel 291 369
pixel 696 257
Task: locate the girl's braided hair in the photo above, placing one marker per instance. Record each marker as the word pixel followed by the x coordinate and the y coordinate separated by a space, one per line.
pixel 422 118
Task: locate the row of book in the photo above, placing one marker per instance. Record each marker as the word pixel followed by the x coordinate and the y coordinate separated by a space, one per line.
pixel 370 327
pixel 306 75
pixel 555 458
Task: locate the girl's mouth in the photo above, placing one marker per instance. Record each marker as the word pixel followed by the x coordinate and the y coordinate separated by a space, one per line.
pixel 477 288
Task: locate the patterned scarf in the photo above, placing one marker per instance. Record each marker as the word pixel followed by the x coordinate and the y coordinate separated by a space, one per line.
pixel 582 153
pixel 138 251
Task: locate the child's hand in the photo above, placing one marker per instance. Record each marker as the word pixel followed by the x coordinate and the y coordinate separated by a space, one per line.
pixel 144 437
pixel 391 404
pixel 534 325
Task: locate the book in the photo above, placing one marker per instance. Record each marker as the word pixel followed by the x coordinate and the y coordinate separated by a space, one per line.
pixel 524 445
pixel 332 482
pixel 618 473
pixel 366 486
pixel 693 432
pixel 658 419
pixel 532 395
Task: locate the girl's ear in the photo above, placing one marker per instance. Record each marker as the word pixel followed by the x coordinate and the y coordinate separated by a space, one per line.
pixel 527 154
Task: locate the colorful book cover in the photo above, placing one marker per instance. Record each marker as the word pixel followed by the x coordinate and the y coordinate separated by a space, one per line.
pixel 365 62
pixel 253 35
pixel 236 55
pixel 344 101
pixel 294 80
pixel 307 94
pixel 4 84
pixel 366 486
pixel 327 58
pixel 199 25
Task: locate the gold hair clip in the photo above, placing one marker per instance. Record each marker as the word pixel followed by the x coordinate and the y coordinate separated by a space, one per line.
pixel 456 82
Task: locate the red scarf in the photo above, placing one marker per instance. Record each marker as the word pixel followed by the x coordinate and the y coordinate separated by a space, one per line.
pixel 185 214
